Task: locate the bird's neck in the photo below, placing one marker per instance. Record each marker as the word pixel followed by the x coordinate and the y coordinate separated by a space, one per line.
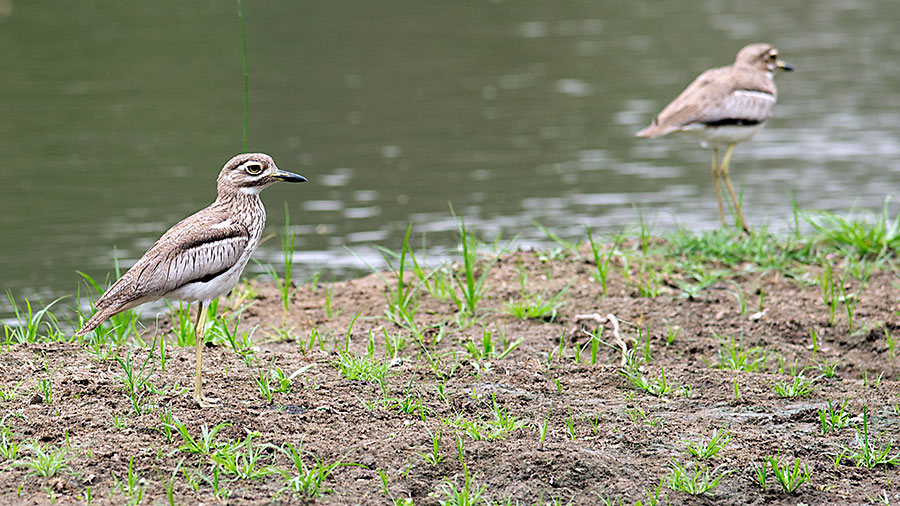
pixel 245 205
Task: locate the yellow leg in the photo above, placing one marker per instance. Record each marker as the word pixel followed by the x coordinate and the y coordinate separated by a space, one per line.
pixel 737 205
pixel 199 334
pixel 715 172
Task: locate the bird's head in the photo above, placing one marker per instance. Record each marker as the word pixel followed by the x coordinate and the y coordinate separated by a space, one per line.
pixel 251 172
pixel 763 57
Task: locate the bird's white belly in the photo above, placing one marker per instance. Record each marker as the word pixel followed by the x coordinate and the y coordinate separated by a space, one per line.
pixel 721 135
pixel 218 286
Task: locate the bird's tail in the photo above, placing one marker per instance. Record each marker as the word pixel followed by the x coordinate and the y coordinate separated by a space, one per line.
pixel 94 321
pixel 654 130
pixel 646 132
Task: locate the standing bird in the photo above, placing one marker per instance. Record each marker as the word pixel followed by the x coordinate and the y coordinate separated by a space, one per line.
pixel 723 107
pixel 203 255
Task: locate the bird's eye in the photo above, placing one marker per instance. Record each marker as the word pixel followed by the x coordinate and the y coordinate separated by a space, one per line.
pixel 773 56
pixel 253 169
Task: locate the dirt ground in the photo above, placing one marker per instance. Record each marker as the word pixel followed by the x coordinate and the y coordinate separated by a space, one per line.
pixel 606 442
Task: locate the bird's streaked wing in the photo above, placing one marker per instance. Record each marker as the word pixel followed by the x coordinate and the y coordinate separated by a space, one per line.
pixel 195 249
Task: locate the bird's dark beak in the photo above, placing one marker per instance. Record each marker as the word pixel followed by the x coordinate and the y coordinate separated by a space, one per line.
pixel 785 66
pixel 290 177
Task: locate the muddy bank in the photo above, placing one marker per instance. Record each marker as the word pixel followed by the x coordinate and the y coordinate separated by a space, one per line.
pixel 393 402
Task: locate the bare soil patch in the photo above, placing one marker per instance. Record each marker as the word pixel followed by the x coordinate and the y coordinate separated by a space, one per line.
pixel 621 443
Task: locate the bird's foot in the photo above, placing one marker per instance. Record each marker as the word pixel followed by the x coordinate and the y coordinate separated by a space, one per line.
pixel 204 401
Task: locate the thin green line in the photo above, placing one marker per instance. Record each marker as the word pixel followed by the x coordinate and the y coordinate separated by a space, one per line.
pixel 246 78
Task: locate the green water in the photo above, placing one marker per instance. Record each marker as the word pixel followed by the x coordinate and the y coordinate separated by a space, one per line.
pixel 115 118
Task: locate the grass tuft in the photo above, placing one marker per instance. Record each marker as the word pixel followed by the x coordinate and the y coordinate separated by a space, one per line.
pixel 868 236
pixel 789 477
pixel 798 386
pixel 45 460
pixel 697 482
pixel 869 452
pixel 709 448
